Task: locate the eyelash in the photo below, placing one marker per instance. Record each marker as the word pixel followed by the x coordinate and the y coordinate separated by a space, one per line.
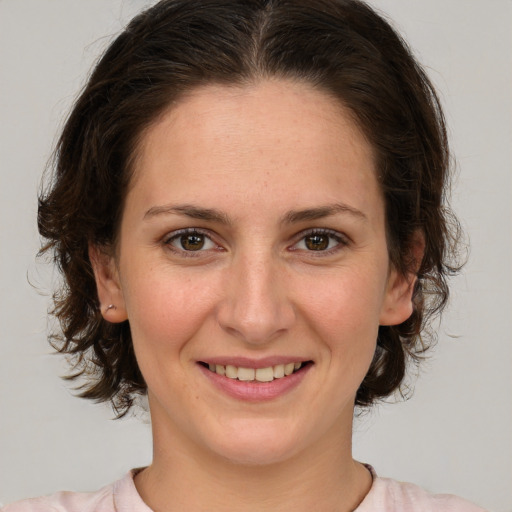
pixel 340 239
pixel 176 235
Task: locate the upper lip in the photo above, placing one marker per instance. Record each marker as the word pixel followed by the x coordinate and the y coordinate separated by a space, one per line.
pixel 246 362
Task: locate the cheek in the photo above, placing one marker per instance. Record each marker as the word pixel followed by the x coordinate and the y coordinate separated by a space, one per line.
pixel 352 336
pixel 165 310
pixel 344 311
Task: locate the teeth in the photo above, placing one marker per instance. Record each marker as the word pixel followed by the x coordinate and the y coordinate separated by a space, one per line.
pixel 260 374
pixel 231 371
pixel 265 374
pixel 278 371
pixel 246 373
pixel 288 368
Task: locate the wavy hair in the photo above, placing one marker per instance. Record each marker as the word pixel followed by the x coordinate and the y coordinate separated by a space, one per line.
pixel 341 47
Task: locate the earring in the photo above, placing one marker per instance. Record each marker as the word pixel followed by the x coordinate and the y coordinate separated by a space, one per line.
pixel 109 307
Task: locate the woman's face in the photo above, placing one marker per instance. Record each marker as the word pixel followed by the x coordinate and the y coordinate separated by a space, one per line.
pixel 253 242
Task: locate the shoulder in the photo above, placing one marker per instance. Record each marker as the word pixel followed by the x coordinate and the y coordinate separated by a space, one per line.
pixel 100 501
pixel 117 497
pixel 393 496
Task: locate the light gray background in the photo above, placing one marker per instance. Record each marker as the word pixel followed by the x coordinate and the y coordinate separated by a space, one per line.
pixel 454 435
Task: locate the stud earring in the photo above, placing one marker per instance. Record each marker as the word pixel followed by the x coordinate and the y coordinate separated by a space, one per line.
pixel 109 307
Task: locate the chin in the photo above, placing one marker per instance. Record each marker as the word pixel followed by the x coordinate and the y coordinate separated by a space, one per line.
pixel 255 446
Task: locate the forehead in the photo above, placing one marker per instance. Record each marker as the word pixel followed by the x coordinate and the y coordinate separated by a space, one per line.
pixel 214 110
pixel 287 136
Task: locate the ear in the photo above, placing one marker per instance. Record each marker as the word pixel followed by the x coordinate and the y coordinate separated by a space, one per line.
pixel 397 306
pixel 110 295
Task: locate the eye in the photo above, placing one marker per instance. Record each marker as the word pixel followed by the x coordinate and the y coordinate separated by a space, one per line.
pixel 190 241
pixel 320 241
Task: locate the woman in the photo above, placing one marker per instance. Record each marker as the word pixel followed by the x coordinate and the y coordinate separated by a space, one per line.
pixel 248 213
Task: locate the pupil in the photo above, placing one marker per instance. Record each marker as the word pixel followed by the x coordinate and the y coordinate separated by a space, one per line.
pixel 317 242
pixel 192 242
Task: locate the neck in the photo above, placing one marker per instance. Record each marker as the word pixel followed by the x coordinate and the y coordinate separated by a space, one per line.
pixel 185 477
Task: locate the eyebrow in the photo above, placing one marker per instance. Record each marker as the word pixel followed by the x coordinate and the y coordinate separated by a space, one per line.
pixel 321 212
pixel 194 212
pixel 291 217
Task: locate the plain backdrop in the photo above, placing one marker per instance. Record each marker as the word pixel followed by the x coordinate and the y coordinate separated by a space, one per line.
pixel 454 435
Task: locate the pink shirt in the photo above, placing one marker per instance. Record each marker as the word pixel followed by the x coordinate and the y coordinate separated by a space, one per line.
pixel 385 495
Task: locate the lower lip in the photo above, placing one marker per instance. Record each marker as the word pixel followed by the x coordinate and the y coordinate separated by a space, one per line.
pixel 253 391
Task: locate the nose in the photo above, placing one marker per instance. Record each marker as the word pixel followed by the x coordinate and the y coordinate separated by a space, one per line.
pixel 255 307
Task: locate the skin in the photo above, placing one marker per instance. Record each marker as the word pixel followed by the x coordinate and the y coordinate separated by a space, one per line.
pixel 256 155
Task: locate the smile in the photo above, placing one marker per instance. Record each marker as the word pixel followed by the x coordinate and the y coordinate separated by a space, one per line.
pixel 252 381
pixel 267 374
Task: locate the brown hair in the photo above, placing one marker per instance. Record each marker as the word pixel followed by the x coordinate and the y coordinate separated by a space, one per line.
pixel 339 46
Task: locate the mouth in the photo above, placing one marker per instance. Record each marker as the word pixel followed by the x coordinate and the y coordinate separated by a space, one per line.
pixel 267 374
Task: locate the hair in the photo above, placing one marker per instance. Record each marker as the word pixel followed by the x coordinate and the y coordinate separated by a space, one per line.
pixel 341 47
